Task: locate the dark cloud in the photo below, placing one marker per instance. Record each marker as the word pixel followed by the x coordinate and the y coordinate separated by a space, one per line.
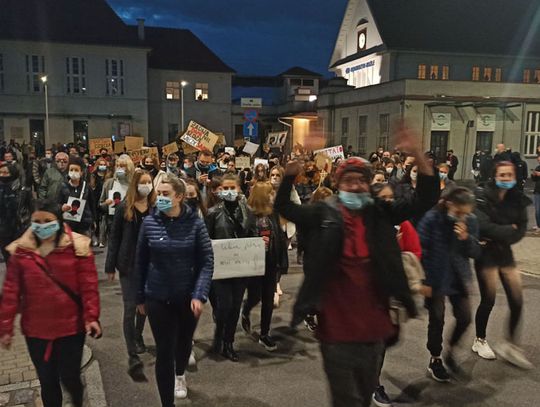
pixel 255 37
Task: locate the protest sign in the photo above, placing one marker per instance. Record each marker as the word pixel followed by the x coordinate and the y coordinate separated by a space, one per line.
pixel 230 150
pixel 199 137
pixel 221 139
pixel 250 148
pixel 332 152
pixel 119 147
pixel 235 258
pixel 117 195
pixel 242 162
pixel 188 149
pixel 136 156
pixel 169 149
pixel 151 151
pixel 96 144
pixel 276 139
pixel 133 143
pixel 77 208
pixel 260 161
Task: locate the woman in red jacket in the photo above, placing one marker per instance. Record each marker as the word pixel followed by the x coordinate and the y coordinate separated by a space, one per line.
pixel 52 279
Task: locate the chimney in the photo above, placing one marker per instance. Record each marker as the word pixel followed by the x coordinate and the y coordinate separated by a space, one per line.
pixel 140 29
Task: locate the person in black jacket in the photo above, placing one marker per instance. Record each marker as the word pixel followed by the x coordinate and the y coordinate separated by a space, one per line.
pixel 535 176
pixel 521 170
pixel 352 269
pixel 128 217
pixel 502 213
pixel 229 219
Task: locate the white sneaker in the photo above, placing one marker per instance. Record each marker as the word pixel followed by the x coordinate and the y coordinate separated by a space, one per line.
pixel 192 361
pixel 514 355
pixel 180 387
pixel 483 349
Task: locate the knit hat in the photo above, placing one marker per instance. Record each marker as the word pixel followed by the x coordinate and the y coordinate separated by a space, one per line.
pixel 354 164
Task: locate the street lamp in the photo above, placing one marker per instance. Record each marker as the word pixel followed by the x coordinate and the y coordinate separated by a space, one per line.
pixel 44 80
pixel 184 84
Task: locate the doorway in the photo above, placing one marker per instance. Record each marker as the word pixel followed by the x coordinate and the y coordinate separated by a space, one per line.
pixel 484 141
pixel 439 145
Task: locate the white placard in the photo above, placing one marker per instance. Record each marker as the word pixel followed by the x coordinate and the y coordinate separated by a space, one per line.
pixel 486 122
pixel 230 150
pixel 332 152
pixel 250 148
pixel 235 258
pixel 276 139
pixel 260 161
pixel 77 208
pixel 441 121
pixel 251 102
pixel 118 191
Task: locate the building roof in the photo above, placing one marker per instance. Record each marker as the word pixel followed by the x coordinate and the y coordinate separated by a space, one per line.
pixel 494 27
pixel 66 21
pixel 180 50
pixel 299 71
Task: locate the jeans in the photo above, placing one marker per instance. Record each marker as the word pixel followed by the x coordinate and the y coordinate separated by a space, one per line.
pixel 352 370
pixel 133 322
pixel 63 365
pixel 537 209
pixel 228 296
pixel 511 282
pixel 173 326
pixel 262 289
pixel 436 307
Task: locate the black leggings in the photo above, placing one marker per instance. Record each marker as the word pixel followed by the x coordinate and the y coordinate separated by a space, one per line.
pixel 228 296
pixel 262 289
pixel 64 364
pixel 511 281
pixel 173 326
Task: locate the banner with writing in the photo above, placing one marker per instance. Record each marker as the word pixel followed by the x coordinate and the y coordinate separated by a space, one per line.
pixel 242 162
pixel 235 258
pixel 199 137
pixel 169 148
pixel 133 143
pixel 96 144
pixel 332 152
pixel 276 139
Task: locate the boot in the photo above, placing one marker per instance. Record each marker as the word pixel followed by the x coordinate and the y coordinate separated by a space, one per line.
pixel 134 364
pixel 229 352
pixel 140 347
pixel 217 346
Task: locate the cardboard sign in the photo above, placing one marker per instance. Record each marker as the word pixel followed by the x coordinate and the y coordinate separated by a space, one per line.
pixel 169 149
pixel 260 161
pixel 250 148
pixel 242 162
pixel 332 152
pixel 133 143
pixel 277 139
pixel 188 149
pixel 221 139
pixel 119 147
pixel 199 137
pixel 97 144
pixel 235 258
pixel 151 151
pixel 77 208
pixel 136 156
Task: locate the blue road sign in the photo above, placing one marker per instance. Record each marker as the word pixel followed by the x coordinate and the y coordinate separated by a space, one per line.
pixel 251 130
pixel 251 115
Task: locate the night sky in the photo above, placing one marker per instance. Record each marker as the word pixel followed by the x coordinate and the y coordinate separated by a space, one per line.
pixel 260 37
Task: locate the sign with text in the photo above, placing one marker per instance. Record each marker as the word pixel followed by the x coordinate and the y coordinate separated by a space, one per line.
pixel 260 161
pixel 169 149
pixel 235 258
pixel 133 143
pixel 242 162
pixel 441 121
pixel 188 149
pixel 332 152
pixel 96 144
pixel 276 139
pixel 250 148
pixel 199 137
pixel 251 102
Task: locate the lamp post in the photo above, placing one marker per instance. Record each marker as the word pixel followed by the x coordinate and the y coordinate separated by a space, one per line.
pixel 44 80
pixel 183 83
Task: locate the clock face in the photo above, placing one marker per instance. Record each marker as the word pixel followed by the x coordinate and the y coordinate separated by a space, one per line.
pixel 362 40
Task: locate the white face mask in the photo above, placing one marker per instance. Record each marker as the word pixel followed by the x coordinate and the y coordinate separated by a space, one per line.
pixel 144 189
pixel 74 175
pixel 389 170
pixel 414 176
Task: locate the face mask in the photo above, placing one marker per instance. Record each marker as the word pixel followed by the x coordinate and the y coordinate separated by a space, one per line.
pixel 192 202
pixel 45 230
pixel 229 196
pixel 164 204
pixel 355 201
pixel 310 173
pixel 74 175
pixel 6 180
pixel 120 172
pixel 187 166
pixel 505 184
pixel 414 176
pixel 144 189
pixel 149 167
pixel 443 176
pixel 102 168
pixel 48 157
pixel 203 166
pixel 389 170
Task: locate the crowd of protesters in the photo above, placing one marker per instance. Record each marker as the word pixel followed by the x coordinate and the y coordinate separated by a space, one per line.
pixel 372 235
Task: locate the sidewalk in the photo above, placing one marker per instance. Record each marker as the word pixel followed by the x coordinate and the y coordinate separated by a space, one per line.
pixel 527 254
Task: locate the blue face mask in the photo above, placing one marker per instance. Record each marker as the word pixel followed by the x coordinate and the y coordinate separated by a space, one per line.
pixel 355 201
pixel 505 184
pixel 230 195
pixel 120 173
pixel 164 204
pixel 443 175
pixel 102 168
pixel 45 230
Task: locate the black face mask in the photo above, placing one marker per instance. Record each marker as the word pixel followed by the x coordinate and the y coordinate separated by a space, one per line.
pixel 7 180
pixel 149 167
pixel 310 173
pixel 192 202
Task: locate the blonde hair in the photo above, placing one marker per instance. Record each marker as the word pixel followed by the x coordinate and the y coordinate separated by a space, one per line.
pixel 130 167
pixel 259 198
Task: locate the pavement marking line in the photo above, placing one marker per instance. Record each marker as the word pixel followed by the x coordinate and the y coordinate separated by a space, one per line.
pixel 94 385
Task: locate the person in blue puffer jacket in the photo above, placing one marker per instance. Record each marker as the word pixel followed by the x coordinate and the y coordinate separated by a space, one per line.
pixel 449 238
pixel 174 267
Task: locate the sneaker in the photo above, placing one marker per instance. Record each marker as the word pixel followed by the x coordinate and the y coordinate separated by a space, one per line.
pixel 483 349
pixel 311 322
pixel 380 398
pixel 438 371
pixel 514 355
pixel 268 343
pixel 192 362
pixel 180 387
pixel 246 324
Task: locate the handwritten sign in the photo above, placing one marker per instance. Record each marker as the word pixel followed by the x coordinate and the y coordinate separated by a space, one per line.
pixel 199 137
pixel 136 156
pixel 133 143
pixel 250 148
pixel 96 144
pixel 276 139
pixel 242 162
pixel 234 258
pixel 260 161
pixel 119 147
pixel 332 152
pixel 170 148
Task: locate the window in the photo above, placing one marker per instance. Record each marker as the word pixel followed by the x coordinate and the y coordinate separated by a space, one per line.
pixel 114 70
pixel 201 91
pixel 532 133
pixel 172 90
pixel 536 76
pixel 498 74
pixel 344 131
pixel 35 68
pixel 80 132
pixel 302 82
pixel 421 71
pixel 476 73
pixel 527 76
pixel 487 74
pixel 384 131
pixel 362 134
pixel 445 72
pixel 434 72
pixel 1 72
pixel 75 75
